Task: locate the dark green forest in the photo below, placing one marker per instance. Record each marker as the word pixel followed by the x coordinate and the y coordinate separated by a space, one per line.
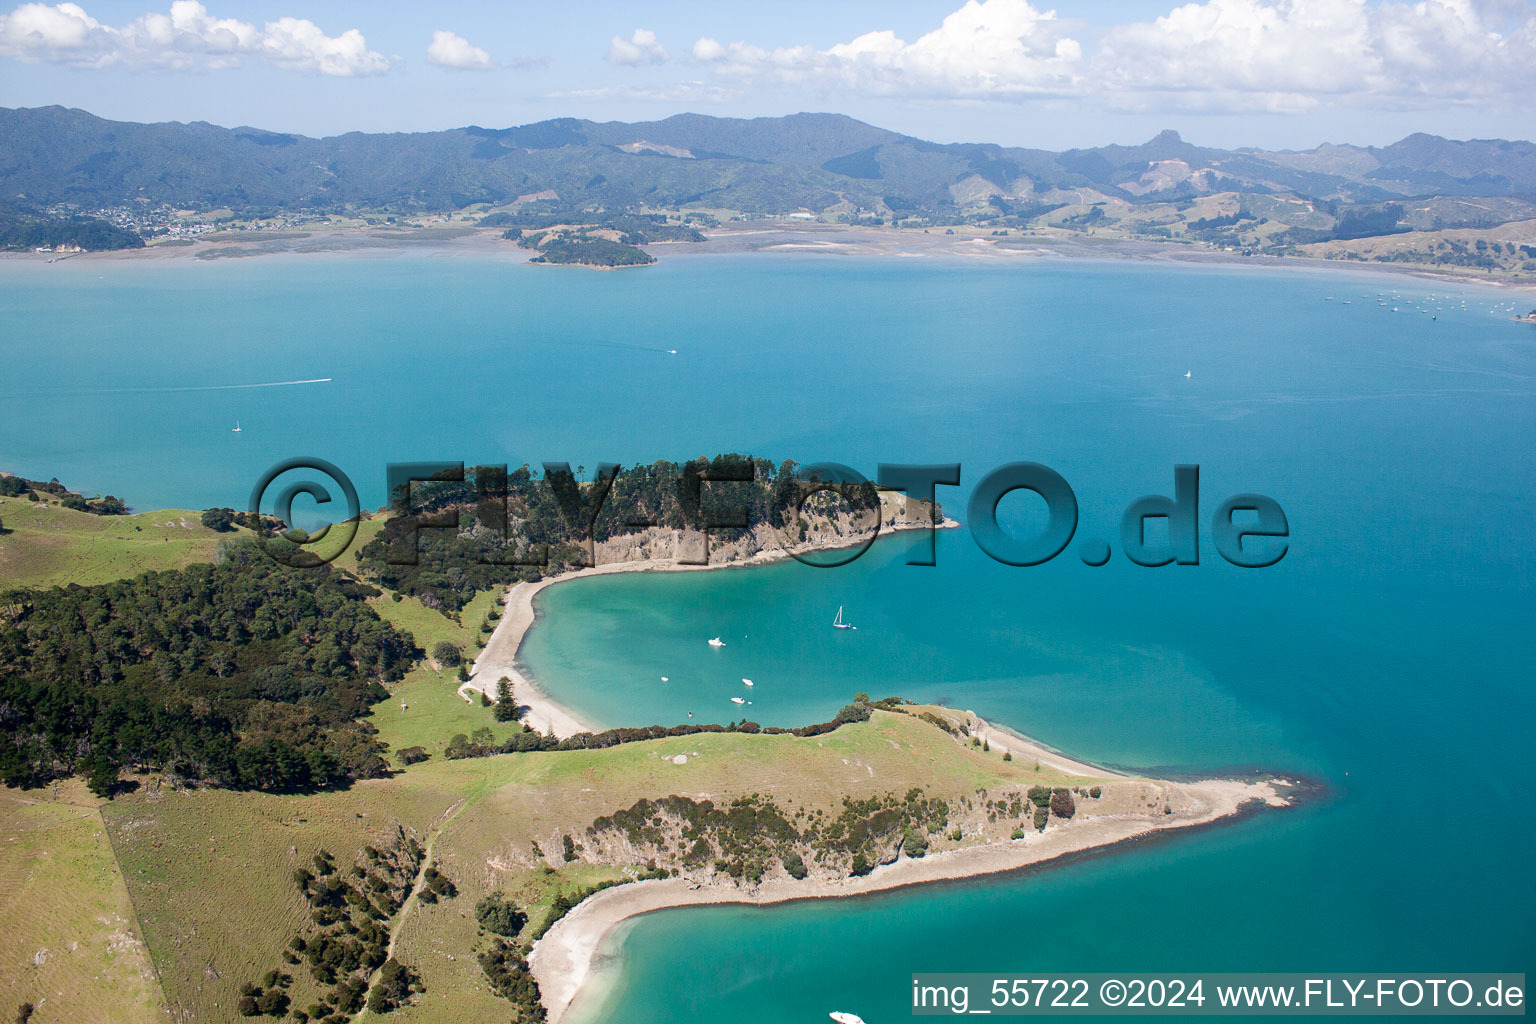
pixel 243 674
pixel 26 231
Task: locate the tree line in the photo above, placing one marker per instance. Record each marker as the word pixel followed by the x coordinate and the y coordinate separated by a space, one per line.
pixel 548 525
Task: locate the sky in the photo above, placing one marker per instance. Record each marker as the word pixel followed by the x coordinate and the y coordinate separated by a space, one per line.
pixel 1275 74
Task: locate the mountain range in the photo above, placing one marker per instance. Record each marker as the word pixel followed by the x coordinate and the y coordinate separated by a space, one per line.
pixel 53 156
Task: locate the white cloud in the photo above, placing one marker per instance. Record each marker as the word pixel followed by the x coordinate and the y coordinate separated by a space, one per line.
pixel 1218 55
pixel 987 48
pixel 707 49
pixel 639 48
pixel 186 37
pixel 1298 54
pixel 451 50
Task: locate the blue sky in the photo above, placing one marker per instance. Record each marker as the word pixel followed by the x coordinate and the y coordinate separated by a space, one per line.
pixel 1269 73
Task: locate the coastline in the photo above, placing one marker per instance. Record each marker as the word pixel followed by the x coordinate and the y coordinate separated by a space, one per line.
pixel 562 961
pixel 541 710
pixel 767 237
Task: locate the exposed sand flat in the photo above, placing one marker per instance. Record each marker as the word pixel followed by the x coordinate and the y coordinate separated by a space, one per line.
pixel 562 960
pixel 786 238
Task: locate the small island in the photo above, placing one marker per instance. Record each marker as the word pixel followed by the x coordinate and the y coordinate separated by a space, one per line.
pixel 605 242
pixel 591 252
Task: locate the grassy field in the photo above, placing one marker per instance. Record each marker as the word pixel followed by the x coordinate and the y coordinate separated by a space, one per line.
pixel 198 882
pixel 209 870
pixel 527 799
pixel 434 710
pixel 48 545
pixel 69 939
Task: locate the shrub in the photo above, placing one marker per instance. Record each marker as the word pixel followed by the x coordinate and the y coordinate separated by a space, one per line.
pixel 1041 817
pixel 499 916
pixel 1040 796
pixel 1096 792
pixel 447 653
pixel 1062 804
pixel 795 865
pixel 219 519
pixel 412 755
pixel 914 842
pixel 1018 833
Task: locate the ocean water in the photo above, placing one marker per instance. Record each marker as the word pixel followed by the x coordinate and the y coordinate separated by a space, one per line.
pixel 1388 655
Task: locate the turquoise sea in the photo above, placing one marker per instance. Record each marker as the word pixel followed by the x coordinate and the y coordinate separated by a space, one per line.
pixel 1389 655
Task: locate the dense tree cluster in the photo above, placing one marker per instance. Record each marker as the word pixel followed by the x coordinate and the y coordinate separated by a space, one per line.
pixel 499 915
pixel 28 231
pixel 590 251
pixel 748 836
pixel 395 987
pixel 245 674
pixel 507 971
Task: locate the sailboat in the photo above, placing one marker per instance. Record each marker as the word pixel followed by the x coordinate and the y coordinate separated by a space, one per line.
pixel 236 428
pixel 1187 373
pixel 838 622
pixel 716 642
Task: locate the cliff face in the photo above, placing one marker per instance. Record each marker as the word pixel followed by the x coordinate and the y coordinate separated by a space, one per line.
pixel 826 525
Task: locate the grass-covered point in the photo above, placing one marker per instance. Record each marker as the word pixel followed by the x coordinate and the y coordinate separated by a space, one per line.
pixel 245 674
pixel 12 486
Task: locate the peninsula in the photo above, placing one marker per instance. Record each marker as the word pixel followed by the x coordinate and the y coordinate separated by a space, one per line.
pixel 406 840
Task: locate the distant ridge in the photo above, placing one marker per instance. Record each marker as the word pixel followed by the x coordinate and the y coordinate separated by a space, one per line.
pixel 771 165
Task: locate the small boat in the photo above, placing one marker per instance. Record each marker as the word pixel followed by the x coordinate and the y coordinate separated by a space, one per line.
pixel 716 642
pixel 838 622
pixel 665 679
pixel 846 1018
pixel 737 700
pixel 236 428
pixel 746 682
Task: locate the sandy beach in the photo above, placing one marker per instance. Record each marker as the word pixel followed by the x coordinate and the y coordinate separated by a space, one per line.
pixel 542 711
pixel 562 960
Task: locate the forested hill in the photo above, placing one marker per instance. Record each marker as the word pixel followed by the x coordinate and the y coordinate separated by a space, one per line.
pixel 777 165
